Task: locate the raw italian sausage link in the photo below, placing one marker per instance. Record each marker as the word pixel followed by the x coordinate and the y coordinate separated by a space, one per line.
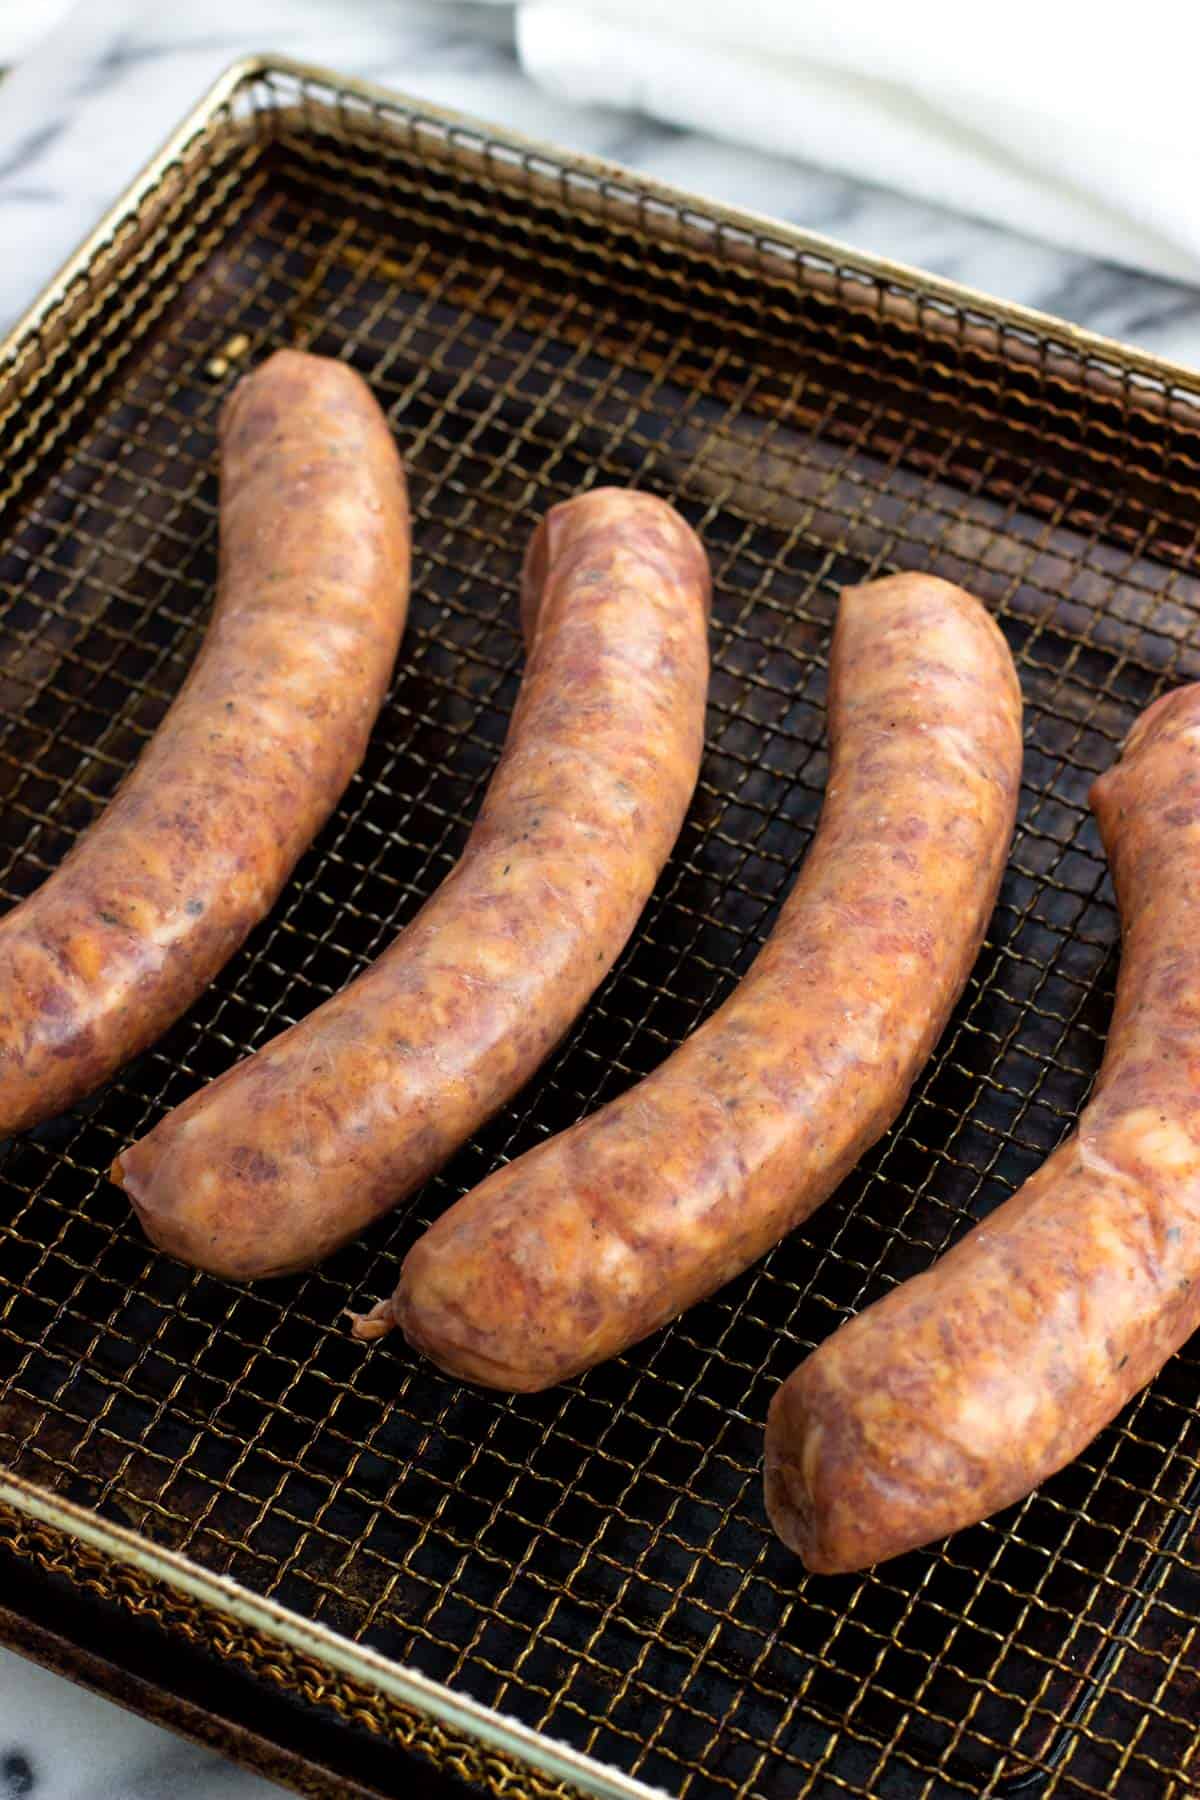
pixel 965 1387
pixel 599 1236
pixel 250 760
pixel 297 1148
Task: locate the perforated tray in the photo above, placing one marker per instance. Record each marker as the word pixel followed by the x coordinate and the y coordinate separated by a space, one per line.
pixel 334 1559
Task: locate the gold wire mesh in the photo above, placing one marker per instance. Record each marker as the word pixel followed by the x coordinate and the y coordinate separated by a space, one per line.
pixel 595 1561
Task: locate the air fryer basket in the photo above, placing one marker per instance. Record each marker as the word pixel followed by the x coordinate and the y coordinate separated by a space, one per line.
pixel 576 1592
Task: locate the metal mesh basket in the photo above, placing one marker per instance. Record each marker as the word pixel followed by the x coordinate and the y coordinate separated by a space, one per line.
pixel 577 1592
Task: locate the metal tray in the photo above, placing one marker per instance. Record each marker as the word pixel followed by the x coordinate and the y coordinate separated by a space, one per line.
pixel 334 1560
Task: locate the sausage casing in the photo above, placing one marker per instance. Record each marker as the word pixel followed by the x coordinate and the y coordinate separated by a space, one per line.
pixel 965 1387
pixel 300 1146
pixel 599 1236
pixel 251 758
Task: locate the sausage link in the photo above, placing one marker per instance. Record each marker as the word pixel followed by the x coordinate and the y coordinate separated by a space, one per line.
pixel 967 1386
pixel 599 1236
pixel 297 1148
pixel 252 757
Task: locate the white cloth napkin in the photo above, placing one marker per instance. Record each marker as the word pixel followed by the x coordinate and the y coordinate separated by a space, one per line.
pixel 1052 117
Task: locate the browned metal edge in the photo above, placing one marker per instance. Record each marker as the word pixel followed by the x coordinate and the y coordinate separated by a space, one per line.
pixel 160 1700
pixel 303 1659
pixel 661 214
pixel 853 279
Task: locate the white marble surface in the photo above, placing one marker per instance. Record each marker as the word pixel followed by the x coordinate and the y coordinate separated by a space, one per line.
pixel 78 117
pixel 58 1742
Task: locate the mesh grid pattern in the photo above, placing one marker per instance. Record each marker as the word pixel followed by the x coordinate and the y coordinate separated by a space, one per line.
pixel 596 1560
